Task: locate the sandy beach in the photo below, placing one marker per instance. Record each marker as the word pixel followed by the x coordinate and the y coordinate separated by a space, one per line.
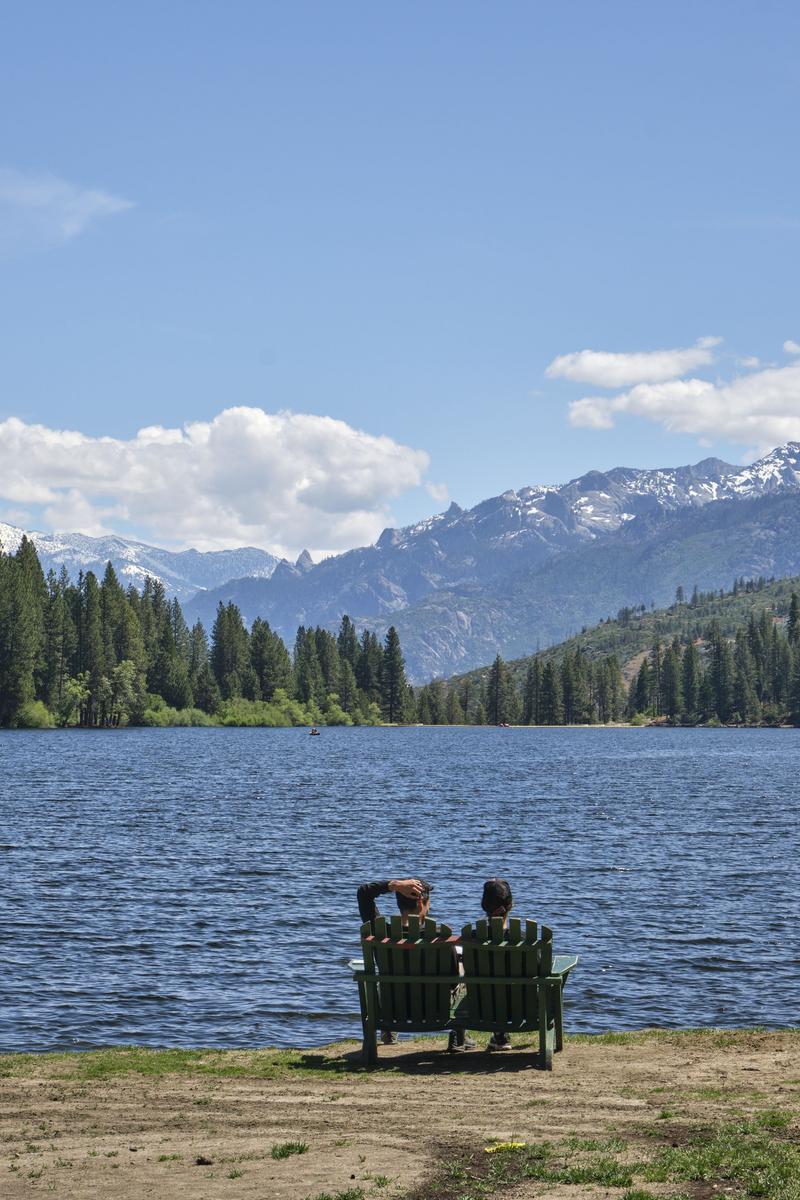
pixel 204 1124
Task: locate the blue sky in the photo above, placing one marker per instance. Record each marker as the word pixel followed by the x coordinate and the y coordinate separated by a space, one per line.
pixel 396 216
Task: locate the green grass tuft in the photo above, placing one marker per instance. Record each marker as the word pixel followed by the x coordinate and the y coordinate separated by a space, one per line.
pixel 287 1149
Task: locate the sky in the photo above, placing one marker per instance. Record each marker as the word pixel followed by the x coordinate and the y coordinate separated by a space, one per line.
pixel 283 274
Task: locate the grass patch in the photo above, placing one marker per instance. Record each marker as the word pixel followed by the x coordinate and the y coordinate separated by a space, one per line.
pixel 89 1065
pixel 746 1159
pixel 287 1149
pixel 270 1063
pixel 744 1156
pixel 475 1175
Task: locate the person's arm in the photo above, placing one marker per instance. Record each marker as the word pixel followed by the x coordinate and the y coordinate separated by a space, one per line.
pixel 368 893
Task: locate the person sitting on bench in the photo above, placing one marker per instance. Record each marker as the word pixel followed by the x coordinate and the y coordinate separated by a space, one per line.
pixel 413 898
pixel 497 901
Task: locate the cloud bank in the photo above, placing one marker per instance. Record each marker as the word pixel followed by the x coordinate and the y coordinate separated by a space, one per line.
pixel 612 370
pixel 43 209
pixel 282 481
pixel 760 409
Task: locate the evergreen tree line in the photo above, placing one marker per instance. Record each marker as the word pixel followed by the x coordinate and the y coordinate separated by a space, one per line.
pixel 752 679
pixel 93 653
pixel 570 690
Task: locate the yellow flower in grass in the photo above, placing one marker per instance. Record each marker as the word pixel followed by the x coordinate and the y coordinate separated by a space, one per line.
pixel 505 1146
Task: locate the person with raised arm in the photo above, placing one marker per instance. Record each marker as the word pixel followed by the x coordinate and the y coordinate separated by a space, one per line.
pixel 413 898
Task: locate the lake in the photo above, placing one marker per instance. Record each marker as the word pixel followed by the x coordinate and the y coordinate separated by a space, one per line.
pixel 196 887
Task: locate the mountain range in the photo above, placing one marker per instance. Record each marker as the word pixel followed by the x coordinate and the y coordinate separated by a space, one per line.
pixel 184 573
pixel 517 571
pixel 529 567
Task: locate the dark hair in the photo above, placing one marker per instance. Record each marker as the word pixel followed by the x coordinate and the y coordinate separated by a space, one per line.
pixel 496 894
pixel 409 904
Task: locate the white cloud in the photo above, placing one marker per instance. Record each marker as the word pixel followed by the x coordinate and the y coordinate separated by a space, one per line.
pixel 760 410
pixel 791 347
pixel 438 492
pixel 36 209
pixel 610 370
pixel 278 480
pixel 749 363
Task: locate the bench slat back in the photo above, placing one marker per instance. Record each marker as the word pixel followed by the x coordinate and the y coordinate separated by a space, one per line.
pixel 421 948
pixel 491 953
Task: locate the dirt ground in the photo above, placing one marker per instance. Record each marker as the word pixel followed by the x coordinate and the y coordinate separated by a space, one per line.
pixel 93 1126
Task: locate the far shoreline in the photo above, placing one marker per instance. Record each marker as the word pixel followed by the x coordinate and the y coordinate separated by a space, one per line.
pixel 609 726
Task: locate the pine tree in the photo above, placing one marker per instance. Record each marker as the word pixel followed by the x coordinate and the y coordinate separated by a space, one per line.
pixel 793 621
pixel 347 641
pixel 533 691
pixel 551 706
pixel 198 650
pixel 270 660
pixel 745 702
pixel 690 679
pixel 641 693
pixel 497 693
pixel 348 688
pixel 308 682
pixel 368 666
pixel 328 655
pixel 720 672
pixel 393 677
pixel 230 656
pixel 671 682
pixel 205 689
pixel 455 713
pixel 93 654
pixel 23 603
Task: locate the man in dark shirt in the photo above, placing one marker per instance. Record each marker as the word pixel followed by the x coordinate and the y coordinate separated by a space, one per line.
pixel 413 899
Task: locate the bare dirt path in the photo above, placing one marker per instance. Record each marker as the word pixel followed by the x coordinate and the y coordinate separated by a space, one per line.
pixel 202 1125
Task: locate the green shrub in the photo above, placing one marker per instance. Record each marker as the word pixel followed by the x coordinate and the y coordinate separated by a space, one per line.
pixel 165 717
pixel 34 715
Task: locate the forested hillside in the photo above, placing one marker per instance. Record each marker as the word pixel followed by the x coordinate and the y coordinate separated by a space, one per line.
pixel 711 657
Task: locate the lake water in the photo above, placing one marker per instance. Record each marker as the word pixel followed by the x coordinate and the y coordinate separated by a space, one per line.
pixel 197 887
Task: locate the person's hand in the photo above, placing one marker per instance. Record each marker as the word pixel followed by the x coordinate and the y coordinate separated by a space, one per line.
pixel 406 887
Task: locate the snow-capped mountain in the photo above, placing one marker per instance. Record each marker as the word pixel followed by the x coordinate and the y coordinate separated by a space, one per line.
pixel 183 573
pixel 498 538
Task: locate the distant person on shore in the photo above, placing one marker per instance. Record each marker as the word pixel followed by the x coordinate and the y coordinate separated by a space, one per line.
pixel 413 898
pixel 497 901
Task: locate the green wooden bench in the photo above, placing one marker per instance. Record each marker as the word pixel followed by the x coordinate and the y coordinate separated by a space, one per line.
pixel 512 982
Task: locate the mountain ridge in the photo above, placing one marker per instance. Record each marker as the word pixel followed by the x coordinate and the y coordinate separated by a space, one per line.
pixel 411 570
pixel 184 573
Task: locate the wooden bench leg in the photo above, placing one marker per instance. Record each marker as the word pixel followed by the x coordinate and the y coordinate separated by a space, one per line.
pixel 558 994
pixel 545 1060
pixel 369 1046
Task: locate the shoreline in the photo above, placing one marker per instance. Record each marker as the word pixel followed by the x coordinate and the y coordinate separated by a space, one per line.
pixel 610 725
pixel 620 1112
